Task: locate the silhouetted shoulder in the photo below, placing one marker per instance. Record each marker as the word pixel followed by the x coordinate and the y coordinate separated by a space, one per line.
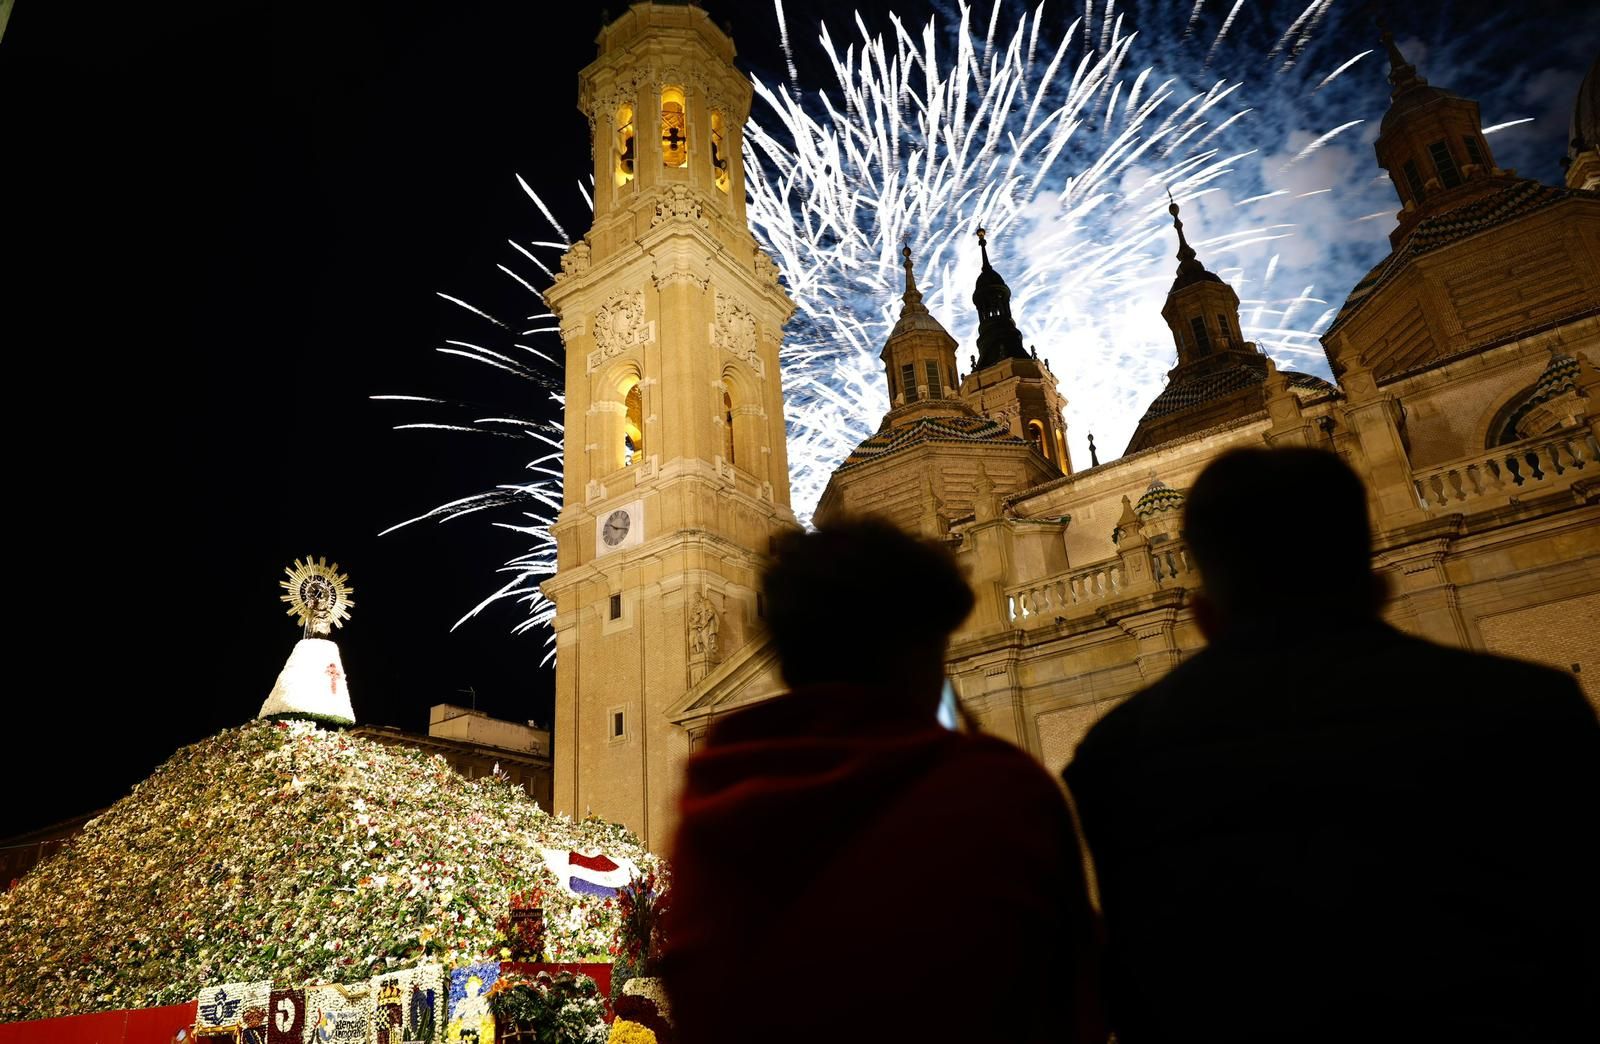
pixel 1375 675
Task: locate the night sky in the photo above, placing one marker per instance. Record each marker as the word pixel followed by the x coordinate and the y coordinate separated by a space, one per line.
pixel 225 227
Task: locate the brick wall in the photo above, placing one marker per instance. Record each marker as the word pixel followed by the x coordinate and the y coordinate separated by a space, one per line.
pixel 1061 730
pixel 1563 634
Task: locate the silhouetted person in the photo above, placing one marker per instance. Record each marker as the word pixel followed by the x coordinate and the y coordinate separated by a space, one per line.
pixel 1319 828
pixel 847 869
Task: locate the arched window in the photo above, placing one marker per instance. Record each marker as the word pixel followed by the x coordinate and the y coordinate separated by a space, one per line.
pixel 719 152
pixel 1037 436
pixel 633 426
pixel 674 128
pixel 727 423
pixel 625 145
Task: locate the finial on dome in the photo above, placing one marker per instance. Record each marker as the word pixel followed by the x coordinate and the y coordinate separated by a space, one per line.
pixel 1402 74
pixel 913 313
pixel 983 245
pixel 1189 267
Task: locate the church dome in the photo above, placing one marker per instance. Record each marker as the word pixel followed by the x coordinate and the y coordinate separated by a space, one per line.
pixel 964 430
pixel 1159 499
pixel 1559 376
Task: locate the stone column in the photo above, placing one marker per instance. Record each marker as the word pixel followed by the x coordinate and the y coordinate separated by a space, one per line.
pixel 1375 419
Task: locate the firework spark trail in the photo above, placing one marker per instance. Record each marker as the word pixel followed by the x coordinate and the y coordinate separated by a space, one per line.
pixel 1321 141
pixel 1508 123
pixel 1335 74
pixel 536 502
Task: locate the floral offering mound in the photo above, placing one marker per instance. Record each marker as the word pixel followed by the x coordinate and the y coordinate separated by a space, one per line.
pixel 283 851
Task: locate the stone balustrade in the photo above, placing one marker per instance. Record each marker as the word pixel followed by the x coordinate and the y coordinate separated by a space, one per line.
pixel 1547 462
pixel 1064 594
pixel 1171 564
pixel 1073 592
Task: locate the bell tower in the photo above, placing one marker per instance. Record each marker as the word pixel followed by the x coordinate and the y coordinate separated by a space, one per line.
pixel 1431 144
pixel 674 465
pixel 1008 384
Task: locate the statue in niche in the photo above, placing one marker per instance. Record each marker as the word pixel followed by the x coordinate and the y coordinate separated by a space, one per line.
pixel 703 628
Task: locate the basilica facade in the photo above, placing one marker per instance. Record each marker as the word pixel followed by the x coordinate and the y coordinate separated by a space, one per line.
pixel 1466 396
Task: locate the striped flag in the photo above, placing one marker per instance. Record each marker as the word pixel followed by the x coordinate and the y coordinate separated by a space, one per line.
pixel 596 874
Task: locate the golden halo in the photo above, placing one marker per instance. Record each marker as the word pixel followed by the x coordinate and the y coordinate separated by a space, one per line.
pixel 318 594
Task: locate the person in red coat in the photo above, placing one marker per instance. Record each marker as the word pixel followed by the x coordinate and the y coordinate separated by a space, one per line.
pixel 848 869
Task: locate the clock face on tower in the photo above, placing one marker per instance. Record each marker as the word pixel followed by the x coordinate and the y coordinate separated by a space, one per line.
pixel 619 527
pixel 615 529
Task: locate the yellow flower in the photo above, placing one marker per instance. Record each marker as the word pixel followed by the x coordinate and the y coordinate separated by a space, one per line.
pixel 625 1032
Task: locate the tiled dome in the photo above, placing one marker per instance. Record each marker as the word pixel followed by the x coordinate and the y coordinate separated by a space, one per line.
pixel 1159 498
pixel 929 430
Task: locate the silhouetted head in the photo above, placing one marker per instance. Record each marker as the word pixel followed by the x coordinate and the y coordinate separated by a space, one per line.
pixel 860 601
pixel 1282 540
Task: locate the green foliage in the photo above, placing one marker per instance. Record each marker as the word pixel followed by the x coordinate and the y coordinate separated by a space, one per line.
pixel 559 1009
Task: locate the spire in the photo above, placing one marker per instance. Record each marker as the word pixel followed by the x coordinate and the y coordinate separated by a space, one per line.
pixel 914 315
pixel 998 337
pixel 1190 270
pixel 1402 74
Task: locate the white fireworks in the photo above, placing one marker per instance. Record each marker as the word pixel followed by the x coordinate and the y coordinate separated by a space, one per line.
pixel 1062 151
pixel 1050 140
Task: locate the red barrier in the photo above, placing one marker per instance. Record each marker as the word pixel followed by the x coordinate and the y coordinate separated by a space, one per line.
pixel 138 1026
pixel 600 973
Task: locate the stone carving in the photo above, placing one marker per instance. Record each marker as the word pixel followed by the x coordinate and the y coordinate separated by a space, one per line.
pixel 679 204
pixel 734 330
pixel 670 274
pixel 766 268
pixel 703 628
pixel 618 326
pixel 576 260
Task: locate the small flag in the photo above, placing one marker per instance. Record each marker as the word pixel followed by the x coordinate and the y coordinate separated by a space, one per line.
pixel 596 875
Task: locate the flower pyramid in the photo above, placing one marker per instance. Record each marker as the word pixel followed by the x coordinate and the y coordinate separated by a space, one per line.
pixel 283 851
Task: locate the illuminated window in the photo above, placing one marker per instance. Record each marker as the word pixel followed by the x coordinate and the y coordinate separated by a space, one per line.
pixel 935 386
pixel 908 382
pixel 625 145
pixel 1037 437
pixel 1414 179
pixel 719 152
pixel 633 426
pixel 674 128
pixel 727 424
pixel 1202 339
pixel 1445 164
